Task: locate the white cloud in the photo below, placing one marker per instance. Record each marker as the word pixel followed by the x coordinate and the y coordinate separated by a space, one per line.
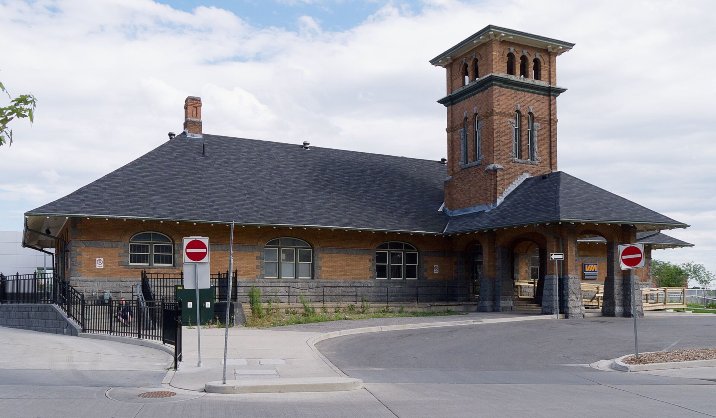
pixel 111 77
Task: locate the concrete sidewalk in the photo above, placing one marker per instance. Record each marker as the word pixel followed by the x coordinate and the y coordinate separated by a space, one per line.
pixel 286 360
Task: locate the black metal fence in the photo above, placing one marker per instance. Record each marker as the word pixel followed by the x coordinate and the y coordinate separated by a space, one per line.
pixel 162 286
pixel 151 320
pixel 355 293
pixel 159 286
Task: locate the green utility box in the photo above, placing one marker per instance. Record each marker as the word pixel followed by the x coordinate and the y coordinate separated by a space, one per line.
pixel 187 298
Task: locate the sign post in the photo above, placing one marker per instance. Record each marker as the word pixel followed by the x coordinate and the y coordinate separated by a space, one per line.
pixel 228 297
pixel 196 251
pixel 556 257
pixel 631 256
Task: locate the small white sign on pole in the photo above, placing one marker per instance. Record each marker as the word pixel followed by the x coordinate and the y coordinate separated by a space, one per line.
pixel 556 256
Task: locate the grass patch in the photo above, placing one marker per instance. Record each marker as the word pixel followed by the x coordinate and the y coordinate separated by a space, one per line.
pixel 280 317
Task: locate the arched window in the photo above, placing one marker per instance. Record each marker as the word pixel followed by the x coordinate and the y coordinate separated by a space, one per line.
pixel 396 260
pixel 465 75
pixel 516 142
pixel 151 249
pixel 288 258
pixel 511 63
pixel 523 66
pixel 531 136
pixel 463 142
pixel 536 69
pixel 475 69
pixel 478 139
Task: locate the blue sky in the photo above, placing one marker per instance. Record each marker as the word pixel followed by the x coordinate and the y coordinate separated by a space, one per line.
pixel 332 15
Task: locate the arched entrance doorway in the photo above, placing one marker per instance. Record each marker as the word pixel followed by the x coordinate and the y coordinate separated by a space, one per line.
pixel 473 267
pixel 528 258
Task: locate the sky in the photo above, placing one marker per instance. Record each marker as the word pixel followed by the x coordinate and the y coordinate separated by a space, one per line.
pixel 111 76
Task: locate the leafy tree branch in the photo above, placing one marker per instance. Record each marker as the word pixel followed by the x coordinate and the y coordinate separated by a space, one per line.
pixel 20 107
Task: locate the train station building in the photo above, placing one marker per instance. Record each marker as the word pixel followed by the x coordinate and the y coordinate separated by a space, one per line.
pixel 488 215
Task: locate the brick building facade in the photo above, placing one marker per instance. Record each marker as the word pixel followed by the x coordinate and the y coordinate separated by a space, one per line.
pixel 490 215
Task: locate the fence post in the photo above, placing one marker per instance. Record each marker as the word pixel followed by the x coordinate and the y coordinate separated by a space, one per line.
pixel 138 315
pixel 82 314
pixel 324 295
pixel 109 317
pixel 387 296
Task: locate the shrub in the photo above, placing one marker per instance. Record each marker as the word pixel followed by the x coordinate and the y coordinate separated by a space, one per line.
pixel 257 308
pixel 308 310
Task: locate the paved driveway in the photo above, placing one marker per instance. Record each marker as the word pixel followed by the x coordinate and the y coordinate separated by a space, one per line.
pixel 535 368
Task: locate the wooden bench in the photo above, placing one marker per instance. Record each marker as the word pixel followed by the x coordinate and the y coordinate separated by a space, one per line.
pixel 592 295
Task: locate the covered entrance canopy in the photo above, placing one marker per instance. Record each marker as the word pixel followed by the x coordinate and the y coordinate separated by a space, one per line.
pixel 557 209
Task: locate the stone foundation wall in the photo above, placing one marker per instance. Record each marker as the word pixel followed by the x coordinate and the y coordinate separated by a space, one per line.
pixel 37 317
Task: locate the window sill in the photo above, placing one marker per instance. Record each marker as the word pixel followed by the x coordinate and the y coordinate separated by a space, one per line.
pixel 528 162
pixel 476 163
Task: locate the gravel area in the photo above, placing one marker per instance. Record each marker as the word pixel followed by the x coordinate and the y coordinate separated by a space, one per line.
pixel 687 354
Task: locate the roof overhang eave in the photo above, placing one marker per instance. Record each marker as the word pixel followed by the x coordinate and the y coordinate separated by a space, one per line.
pixel 65 216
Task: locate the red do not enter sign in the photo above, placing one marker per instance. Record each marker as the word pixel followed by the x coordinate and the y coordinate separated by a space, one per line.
pixel 631 256
pixel 196 250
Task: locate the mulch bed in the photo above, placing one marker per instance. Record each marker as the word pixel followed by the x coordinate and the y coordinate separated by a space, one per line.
pixel 687 354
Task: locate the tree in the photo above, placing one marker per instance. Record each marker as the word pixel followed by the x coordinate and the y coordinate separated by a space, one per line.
pixel 22 106
pixel 698 273
pixel 667 274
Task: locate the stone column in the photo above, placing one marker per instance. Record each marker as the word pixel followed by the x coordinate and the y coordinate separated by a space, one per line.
pixel 620 285
pixel 570 283
pixel 504 288
pixel 549 305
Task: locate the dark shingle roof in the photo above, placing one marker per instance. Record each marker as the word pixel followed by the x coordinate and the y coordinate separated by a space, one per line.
pixel 271 183
pixel 260 182
pixel 560 197
pixel 660 240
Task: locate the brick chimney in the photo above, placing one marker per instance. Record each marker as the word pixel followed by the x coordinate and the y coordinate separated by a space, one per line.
pixel 192 115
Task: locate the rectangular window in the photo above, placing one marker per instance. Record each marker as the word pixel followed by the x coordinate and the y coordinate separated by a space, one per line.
pixel 163 255
pixel 288 260
pixel 463 146
pixel 381 265
pixel 478 146
pixel 271 263
pixel 396 264
pixel 305 257
pixel 139 254
pixel 411 265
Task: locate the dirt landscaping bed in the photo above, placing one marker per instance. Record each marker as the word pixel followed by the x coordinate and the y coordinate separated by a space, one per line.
pixel 687 354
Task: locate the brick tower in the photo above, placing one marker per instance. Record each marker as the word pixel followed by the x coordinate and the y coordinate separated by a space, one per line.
pixel 501 114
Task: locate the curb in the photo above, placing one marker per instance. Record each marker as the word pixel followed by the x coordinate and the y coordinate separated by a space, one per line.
pixel 618 364
pixel 131 341
pixel 285 385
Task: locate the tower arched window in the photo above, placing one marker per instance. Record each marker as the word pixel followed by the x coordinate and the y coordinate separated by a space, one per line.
pixel 288 258
pixel 536 69
pixel 475 69
pixel 465 75
pixel 478 139
pixel 463 142
pixel 531 146
pixel 523 66
pixel 511 63
pixel 151 249
pixel 396 260
pixel 517 140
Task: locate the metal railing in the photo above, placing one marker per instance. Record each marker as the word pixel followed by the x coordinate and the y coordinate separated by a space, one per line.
pixel 162 286
pixel 158 321
pixel 159 286
pixel 350 293
pixel 663 298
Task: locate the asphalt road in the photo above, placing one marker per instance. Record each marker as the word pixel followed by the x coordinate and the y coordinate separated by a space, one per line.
pixel 535 368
